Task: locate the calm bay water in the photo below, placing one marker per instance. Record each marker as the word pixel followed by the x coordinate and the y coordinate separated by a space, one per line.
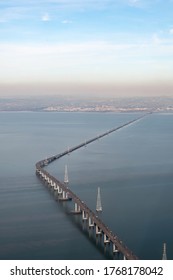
pixel 133 167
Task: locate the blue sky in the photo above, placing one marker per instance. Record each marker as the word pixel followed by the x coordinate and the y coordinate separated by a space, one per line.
pixel 112 46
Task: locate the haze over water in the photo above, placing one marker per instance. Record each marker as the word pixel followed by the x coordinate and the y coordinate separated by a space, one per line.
pixel 133 168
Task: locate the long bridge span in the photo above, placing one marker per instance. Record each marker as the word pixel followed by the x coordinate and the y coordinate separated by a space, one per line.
pixel 65 194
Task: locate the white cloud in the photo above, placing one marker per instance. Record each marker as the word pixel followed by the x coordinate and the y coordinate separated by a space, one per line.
pixel 90 60
pixel 134 2
pixel 66 21
pixel 141 3
pixel 95 49
pixel 13 13
pixel 171 31
pixel 86 48
pixel 131 3
pixel 32 5
pixel 45 17
pixel 156 40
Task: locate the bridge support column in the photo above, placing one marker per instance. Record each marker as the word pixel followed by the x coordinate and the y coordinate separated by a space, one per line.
pixel 115 249
pixel 59 190
pixel 98 231
pixel 90 222
pixel 64 196
pixel 52 183
pixel 77 209
pixel 106 239
pixel 56 187
pixel 84 215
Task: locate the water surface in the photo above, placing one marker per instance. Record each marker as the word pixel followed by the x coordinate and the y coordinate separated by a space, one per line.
pixel 132 166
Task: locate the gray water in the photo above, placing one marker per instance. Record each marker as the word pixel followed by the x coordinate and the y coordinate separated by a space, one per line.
pixel 133 168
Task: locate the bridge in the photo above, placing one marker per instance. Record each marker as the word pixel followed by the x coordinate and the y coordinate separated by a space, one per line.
pixel 80 208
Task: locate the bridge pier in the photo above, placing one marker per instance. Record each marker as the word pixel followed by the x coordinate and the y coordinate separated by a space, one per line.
pixel 90 222
pixel 77 209
pixel 115 249
pixel 98 231
pixel 106 239
pixel 52 183
pixel 64 196
pixel 84 215
pixel 59 190
pixel 46 179
pixel 56 187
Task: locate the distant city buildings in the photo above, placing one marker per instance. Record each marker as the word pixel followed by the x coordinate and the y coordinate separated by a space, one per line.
pixel 74 104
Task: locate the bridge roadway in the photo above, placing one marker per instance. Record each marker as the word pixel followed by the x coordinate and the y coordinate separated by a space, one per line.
pixel 111 237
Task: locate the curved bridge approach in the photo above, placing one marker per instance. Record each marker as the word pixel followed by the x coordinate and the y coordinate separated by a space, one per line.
pixel 65 194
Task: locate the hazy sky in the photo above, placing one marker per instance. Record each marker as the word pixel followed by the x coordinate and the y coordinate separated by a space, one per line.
pixel 111 46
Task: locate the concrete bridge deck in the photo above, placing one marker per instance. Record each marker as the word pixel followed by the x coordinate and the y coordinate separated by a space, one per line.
pixel 81 207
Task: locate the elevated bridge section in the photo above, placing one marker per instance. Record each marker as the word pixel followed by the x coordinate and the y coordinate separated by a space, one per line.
pixel 65 194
